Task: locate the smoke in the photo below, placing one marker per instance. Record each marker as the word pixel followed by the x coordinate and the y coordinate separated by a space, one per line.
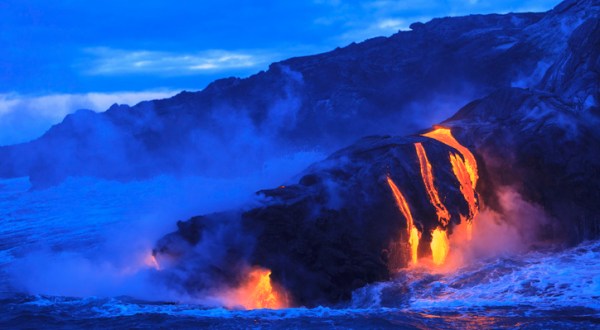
pixel 216 166
pixel 434 109
pixel 529 80
pixel 120 261
pixel 515 229
pixel 72 274
pixel 184 135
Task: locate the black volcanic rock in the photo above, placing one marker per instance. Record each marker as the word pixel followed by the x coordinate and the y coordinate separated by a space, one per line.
pixel 397 84
pixel 575 76
pixel 324 240
pixel 332 231
pixel 546 141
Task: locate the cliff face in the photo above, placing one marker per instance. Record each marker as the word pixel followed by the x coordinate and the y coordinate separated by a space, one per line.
pixel 398 84
pixel 334 230
pixel 545 141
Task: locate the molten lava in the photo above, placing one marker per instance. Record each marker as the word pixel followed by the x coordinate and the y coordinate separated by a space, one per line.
pixel 427 174
pixel 440 246
pixel 465 170
pixel 413 233
pixel 464 167
pixel 413 241
pixel 444 135
pixel 466 187
pixel 258 292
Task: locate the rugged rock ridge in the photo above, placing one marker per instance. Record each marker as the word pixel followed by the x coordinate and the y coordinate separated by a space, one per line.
pixel 546 141
pixel 397 84
pixel 331 232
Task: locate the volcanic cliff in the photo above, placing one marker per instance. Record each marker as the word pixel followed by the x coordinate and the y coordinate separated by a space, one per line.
pixel 335 229
pixel 398 84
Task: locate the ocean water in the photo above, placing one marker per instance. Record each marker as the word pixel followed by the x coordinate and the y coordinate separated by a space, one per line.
pixel 75 256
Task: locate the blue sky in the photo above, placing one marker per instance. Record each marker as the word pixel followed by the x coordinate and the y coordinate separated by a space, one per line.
pixel 57 56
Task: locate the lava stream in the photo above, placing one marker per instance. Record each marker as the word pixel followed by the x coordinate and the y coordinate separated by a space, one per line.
pixel 413 233
pixel 466 187
pixel 444 135
pixel 465 170
pixel 427 174
pixel 258 292
pixel 440 246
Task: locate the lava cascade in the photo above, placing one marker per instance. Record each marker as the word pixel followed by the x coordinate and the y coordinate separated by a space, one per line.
pixel 413 233
pixel 466 187
pixel 465 170
pixel 440 246
pixel 444 135
pixel 257 292
pixel 439 239
pixel 434 196
pixel 464 167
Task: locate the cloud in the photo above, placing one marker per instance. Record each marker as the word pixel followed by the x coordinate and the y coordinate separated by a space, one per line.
pixel 382 27
pixel 110 61
pixel 394 24
pixel 25 117
pixel 360 20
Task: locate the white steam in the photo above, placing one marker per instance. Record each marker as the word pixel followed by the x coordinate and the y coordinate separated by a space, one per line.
pixel 512 231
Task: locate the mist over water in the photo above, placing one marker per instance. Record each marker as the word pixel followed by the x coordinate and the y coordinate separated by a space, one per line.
pixel 94 237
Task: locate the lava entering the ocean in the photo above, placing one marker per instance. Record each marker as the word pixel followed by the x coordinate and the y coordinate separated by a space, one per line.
pixel 464 167
pixel 440 246
pixel 465 170
pixel 257 292
pixel 413 233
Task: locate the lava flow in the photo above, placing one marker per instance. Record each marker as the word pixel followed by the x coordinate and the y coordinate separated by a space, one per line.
pixel 413 233
pixel 439 239
pixel 466 187
pixel 464 169
pixel 444 135
pixel 440 246
pixel 258 292
pixel 427 174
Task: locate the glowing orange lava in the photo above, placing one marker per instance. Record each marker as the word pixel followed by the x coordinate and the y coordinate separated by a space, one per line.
pixel 413 241
pixel 465 170
pixel 440 246
pixel 466 187
pixel 444 135
pixel 258 292
pixel 427 174
pixel 464 167
pixel 413 233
